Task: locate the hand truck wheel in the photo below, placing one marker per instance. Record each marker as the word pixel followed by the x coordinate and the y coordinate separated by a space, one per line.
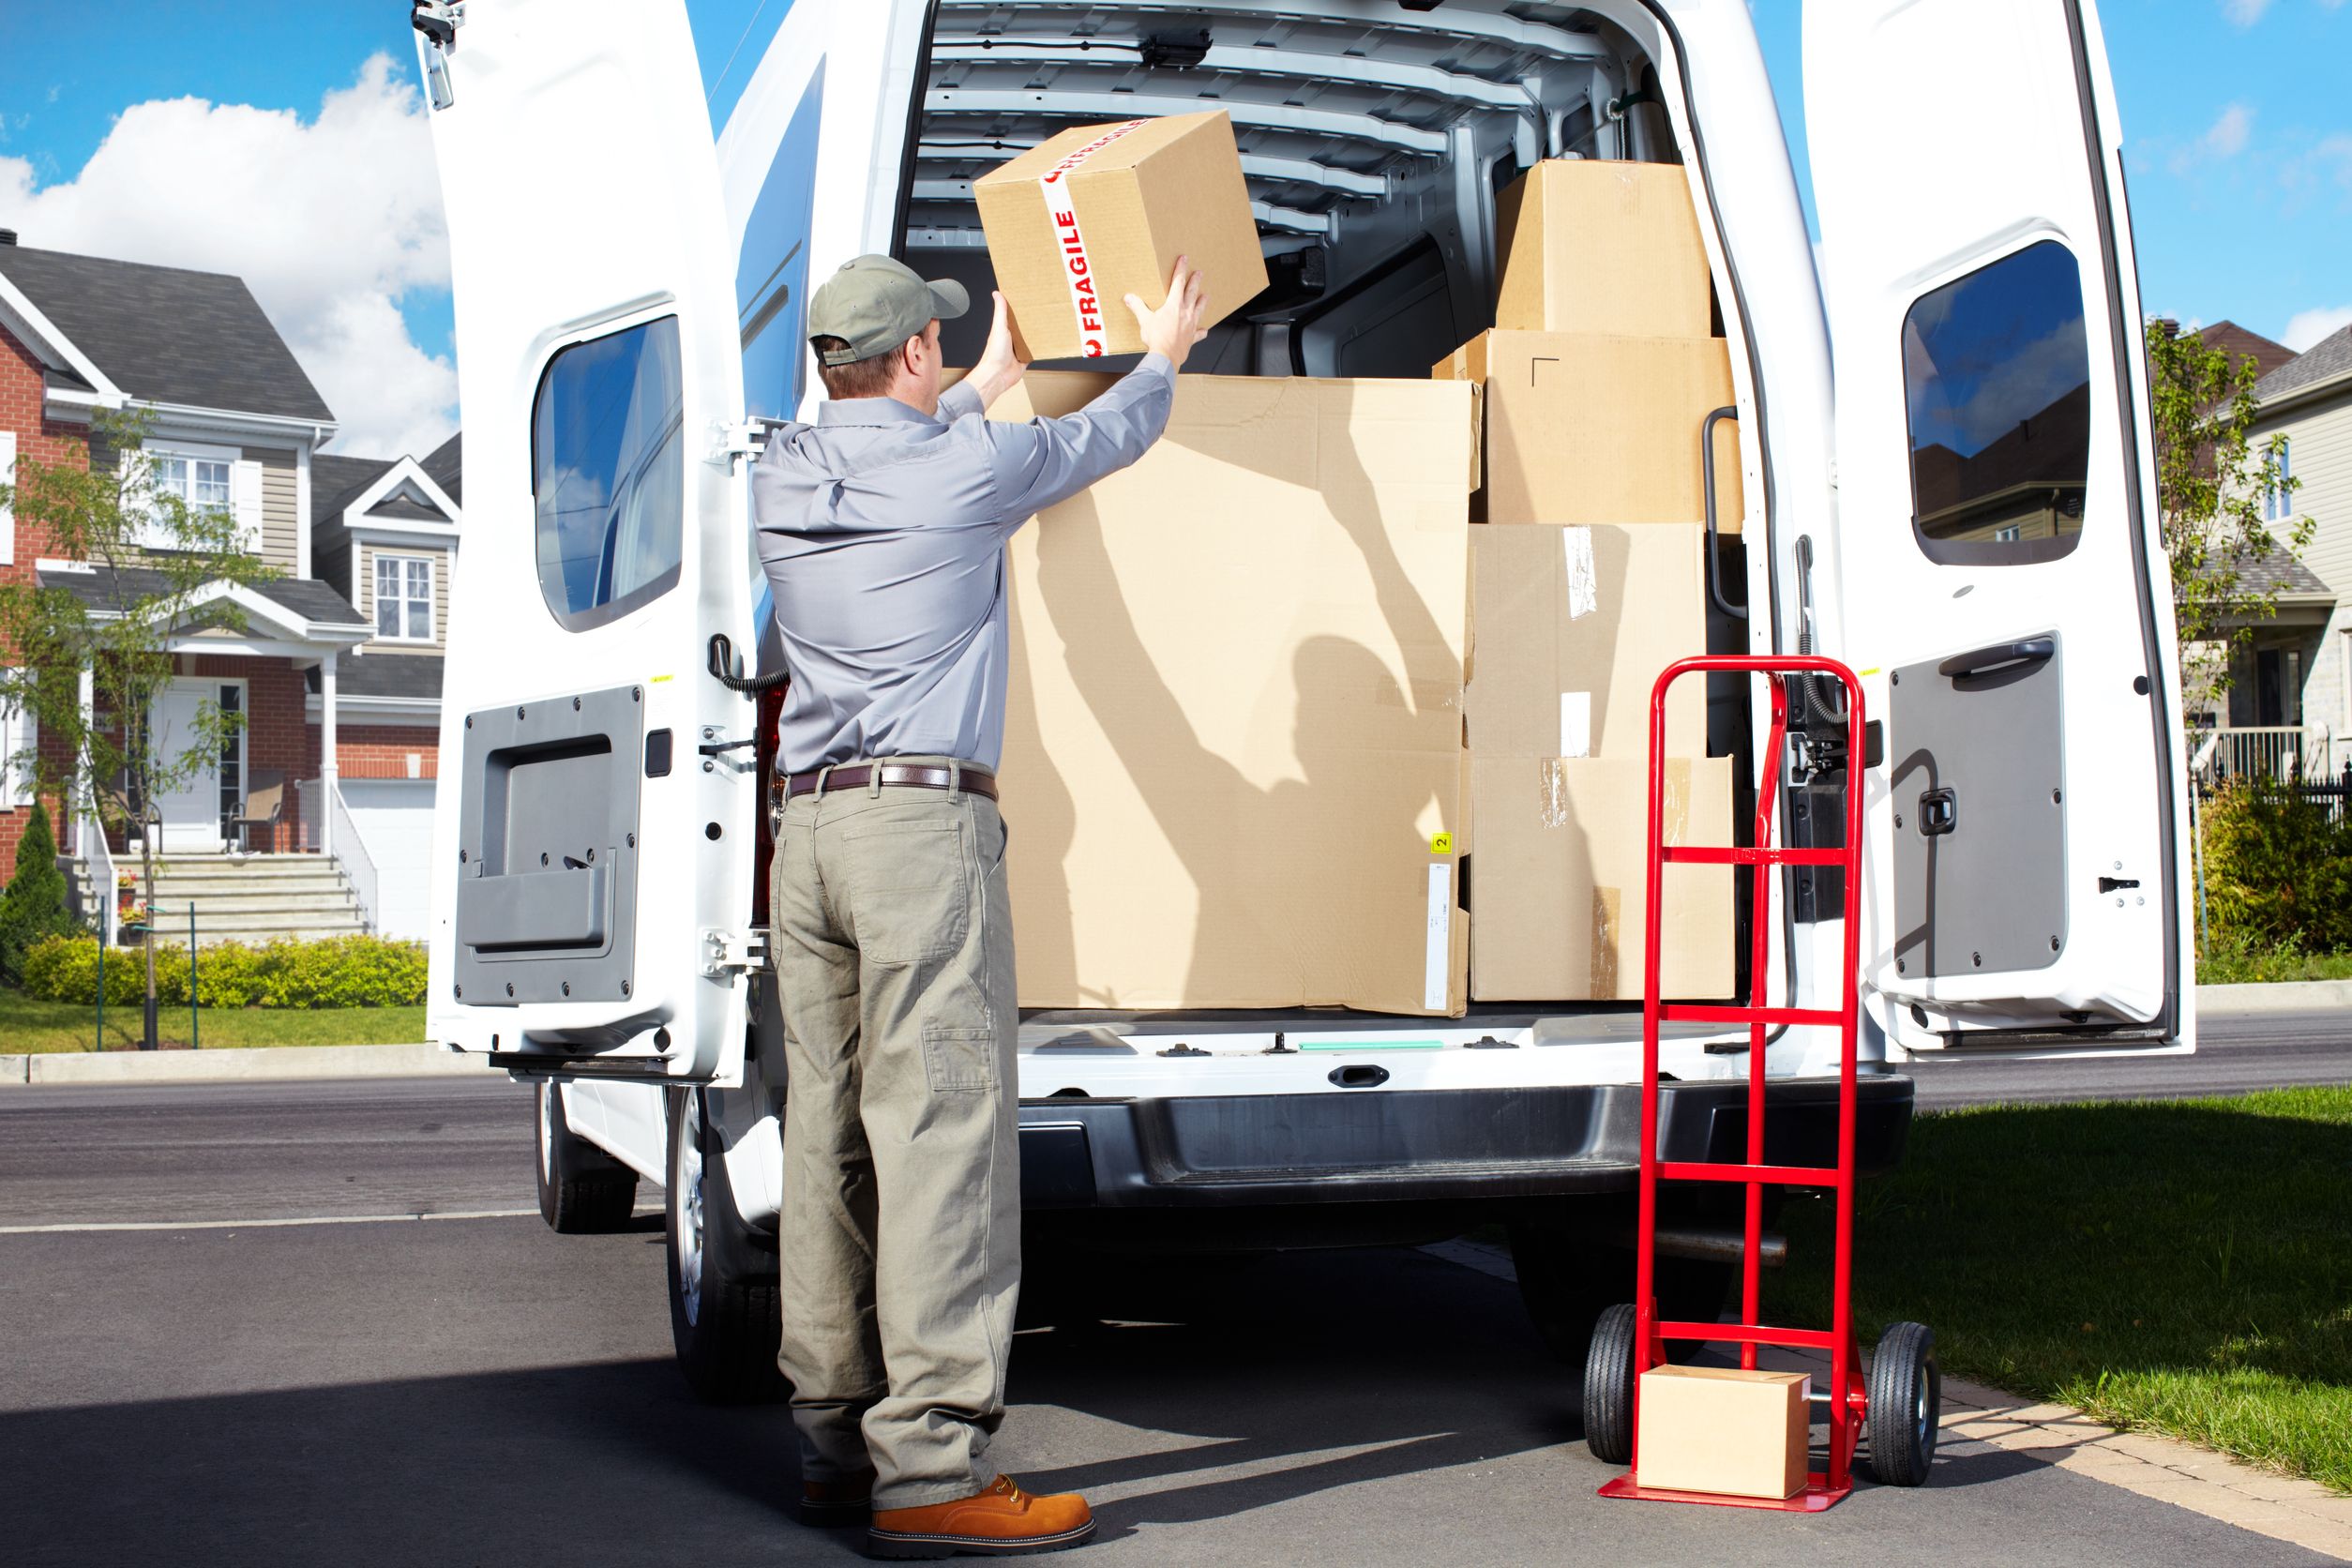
pixel 1608 1387
pixel 1906 1396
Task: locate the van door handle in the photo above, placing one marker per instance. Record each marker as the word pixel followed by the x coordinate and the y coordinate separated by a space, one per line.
pixel 1707 493
pixel 2026 650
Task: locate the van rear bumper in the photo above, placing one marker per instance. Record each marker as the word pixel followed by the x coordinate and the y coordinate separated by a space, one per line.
pixel 1241 1149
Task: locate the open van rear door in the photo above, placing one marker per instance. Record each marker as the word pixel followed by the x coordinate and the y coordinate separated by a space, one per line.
pixel 593 834
pixel 2001 581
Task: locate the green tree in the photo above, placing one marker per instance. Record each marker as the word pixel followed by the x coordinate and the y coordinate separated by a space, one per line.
pixel 33 905
pixel 2211 481
pixel 157 565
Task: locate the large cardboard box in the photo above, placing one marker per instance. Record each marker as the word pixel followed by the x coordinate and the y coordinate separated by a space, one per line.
pixel 1587 428
pixel 1558 882
pixel 1602 247
pixel 1086 218
pixel 1724 1430
pixel 1233 755
pixel 1569 630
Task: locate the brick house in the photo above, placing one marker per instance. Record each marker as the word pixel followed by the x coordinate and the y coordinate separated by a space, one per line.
pixel 337 668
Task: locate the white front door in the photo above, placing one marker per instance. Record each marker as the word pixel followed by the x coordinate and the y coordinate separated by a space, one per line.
pixel 189 809
pixel 2002 586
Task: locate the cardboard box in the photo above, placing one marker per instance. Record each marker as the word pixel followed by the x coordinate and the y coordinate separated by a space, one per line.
pixel 1584 428
pixel 1099 212
pixel 1603 247
pixel 1724 1430
pixel 1233 761
pixel 1558 885
pixel 1569 630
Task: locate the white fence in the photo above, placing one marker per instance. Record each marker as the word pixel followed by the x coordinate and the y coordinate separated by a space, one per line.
pixel 99 861
pixel 2276 752
pixel 326 825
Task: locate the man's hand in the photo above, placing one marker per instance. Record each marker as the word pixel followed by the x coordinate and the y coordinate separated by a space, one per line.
pixel 1001 367
pixel 1175 326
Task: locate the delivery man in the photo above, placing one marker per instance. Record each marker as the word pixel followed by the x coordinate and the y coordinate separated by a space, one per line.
pixel 883 529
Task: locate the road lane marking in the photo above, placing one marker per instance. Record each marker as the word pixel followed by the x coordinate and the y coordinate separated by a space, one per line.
pixel 259 1224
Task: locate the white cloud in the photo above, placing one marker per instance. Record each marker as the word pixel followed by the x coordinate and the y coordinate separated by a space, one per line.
pixel 329 221
pixel 2226 138
pixel 2244 13
pixel 2306 327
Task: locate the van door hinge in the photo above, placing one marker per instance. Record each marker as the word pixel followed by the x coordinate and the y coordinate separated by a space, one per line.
pixel 437 22
pixel 730 953
pixel 745 438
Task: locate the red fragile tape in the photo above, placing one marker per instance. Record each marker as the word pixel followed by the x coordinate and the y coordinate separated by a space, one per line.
pixel 1093 337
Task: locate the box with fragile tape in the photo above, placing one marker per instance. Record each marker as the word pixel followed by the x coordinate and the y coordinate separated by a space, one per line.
pixel 1559 892
pixel 1569 630
pixel 1099 212
pixel 1232 760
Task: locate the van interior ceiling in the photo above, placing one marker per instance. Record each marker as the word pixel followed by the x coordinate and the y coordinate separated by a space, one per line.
pixel 1373 143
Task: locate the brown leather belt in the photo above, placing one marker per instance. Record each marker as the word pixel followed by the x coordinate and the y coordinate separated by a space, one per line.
pixel 859 776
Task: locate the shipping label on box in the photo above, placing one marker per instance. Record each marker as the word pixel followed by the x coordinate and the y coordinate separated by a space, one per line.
pixel 1602 247
pixel 1583 429
pixel 1560 890
pixel 1569 630
pixel 1722 1429
pixel 1233 765
pixel 1099 212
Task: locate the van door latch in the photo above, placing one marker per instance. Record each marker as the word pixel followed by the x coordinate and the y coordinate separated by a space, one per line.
pixel 437 22
pixel 731 953
pixel 1939 811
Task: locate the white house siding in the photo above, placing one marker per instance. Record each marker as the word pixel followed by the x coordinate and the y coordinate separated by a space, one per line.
pixel 366 598
pixel 2320 437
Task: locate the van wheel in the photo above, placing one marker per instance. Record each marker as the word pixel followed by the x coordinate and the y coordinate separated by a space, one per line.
pixel 725 1316
pixel 1608 1387
pixel 1906 1398
pixel 581 1188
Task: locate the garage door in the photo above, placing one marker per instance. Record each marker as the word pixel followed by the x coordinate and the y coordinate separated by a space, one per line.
pixel 395 818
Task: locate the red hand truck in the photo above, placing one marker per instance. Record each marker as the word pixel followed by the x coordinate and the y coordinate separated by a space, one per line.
pixel 1903 1394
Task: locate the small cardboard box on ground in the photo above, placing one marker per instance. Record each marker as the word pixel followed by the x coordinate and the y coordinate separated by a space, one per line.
pixel 1559 885
pixel 1724 1430
pixel 1233 752
pixel 1099 212
pixel 1602 246
pixel 1569 630
pixel 1590 429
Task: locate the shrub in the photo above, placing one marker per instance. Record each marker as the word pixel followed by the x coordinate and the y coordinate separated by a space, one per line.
pixel 34 906
pixel 340 972
pixel 2277 870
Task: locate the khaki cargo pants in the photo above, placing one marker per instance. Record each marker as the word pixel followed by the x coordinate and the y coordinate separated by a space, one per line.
pixel 899 1238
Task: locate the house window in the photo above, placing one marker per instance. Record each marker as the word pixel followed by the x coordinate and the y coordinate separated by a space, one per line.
pixel 230 700
pixel 404 598
pixel 203 483
pixel 2278 498
pixel 204 479
pixel 1996 387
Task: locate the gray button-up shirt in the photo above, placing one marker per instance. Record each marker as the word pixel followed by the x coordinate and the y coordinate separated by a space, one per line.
pixel 882 531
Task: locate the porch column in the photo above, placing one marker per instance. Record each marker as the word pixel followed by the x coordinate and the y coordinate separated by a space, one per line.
pixel 90 828
pixel 327 771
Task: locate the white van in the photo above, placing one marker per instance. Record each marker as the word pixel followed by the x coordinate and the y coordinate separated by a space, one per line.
pixel 1948 485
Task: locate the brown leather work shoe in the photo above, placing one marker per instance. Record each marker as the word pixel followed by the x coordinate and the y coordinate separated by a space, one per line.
pixel 1003 1521
pixel 832 1504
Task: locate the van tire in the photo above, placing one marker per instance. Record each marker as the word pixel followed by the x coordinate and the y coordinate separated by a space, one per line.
pixel 725 1302
pixel 1609 1386
pixel 582 1190
pixel 1906 1397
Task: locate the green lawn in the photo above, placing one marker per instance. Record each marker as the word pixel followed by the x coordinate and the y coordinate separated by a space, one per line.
pixel 2239 965
pixel 2185 1267
pixel 26 1025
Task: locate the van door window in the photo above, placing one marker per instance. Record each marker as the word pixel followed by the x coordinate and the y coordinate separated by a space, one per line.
pixel 1997 379
pixel 608 473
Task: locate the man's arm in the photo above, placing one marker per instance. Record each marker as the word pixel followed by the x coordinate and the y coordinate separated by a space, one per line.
pixel 1047 460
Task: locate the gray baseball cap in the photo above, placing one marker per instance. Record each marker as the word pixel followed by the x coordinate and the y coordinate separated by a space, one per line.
pixel 874 304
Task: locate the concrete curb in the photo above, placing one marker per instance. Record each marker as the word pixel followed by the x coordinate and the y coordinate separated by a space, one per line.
pixel 240 1065
pixel 2290 996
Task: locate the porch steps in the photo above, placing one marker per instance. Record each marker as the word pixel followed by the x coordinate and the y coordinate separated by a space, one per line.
pixel 256 899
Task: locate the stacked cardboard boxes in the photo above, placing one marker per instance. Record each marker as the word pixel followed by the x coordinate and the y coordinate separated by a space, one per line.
pixel 1590 580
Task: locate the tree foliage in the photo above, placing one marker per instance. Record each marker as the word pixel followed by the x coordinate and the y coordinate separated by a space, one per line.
pixel 2211 481
pixel 156 566
pixel 34 906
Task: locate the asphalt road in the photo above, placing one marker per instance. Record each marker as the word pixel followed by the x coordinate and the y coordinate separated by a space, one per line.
pixel 230 1387
pixel 2235 1054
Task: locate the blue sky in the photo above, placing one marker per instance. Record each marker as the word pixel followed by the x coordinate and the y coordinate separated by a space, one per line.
pixel 2238 129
